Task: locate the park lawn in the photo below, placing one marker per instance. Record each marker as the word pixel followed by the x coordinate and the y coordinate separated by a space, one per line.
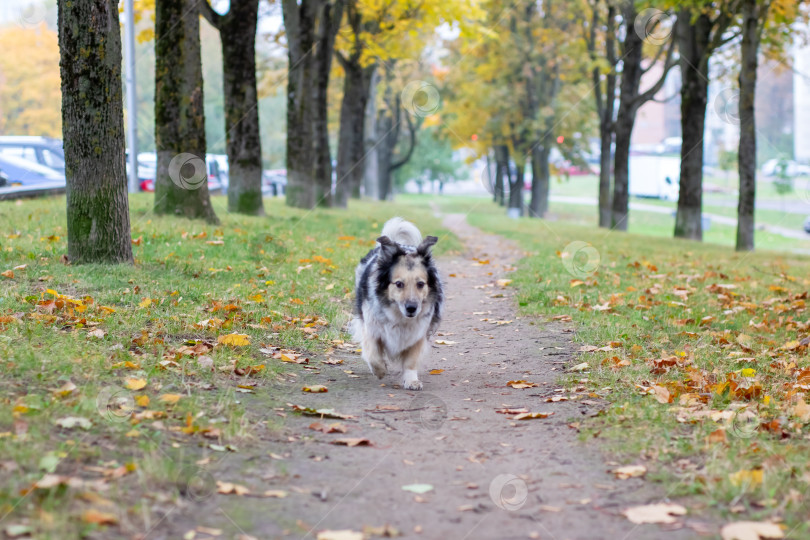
pixel 116 380
pixel 640 221
pixel 700 353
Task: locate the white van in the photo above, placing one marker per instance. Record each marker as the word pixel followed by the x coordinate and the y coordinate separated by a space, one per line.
pixel 655 176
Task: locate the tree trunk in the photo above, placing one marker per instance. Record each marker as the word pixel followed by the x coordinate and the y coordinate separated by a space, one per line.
pixel 237 31
pixel 540 179
pixel 625 119
pixel 516 188
pixel 693 48
pixel 93 132
pixel 311 28
pixel 606 107
pixel 388 130
pixel 605 155
pixel 371 166
pixel 497 195
pixel 747 154
pixel 181 183
pixel 504 179
pixel 351 138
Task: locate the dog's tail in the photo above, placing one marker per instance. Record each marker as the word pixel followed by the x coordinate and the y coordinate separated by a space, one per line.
pixel 402 232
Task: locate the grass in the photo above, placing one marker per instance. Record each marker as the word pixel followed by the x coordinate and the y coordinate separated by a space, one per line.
pixel 647 223
pixel 704 367
pixel 122 378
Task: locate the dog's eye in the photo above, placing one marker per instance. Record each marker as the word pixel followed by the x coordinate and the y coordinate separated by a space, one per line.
pixel 420 285
pixel 399 284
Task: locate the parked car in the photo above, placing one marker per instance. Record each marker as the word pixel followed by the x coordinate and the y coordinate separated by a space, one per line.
pixel 45 151
pixel 3 179
pixel 221 161
pixel 787 167
pixel 146 172
pixel 274 182
pixel 807 225
pixel 28 173
pixel 148 160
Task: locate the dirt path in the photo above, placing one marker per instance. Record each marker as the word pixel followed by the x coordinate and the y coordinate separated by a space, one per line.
pixel 491 477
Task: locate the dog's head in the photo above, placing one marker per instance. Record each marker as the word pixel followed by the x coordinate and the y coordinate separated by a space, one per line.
pixel 407 279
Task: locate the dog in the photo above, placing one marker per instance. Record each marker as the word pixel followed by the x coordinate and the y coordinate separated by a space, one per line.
pixel 399 301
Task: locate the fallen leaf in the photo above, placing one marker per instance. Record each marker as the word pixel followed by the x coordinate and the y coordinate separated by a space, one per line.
pixel 630 471
pixel 7 274
pixel 445 342
pixel 751 530
pixel 580 367
pixel 419 489
pixel 234 340
pixel 340 535
pixel 135 384
pixel 521 384
pixel 315 389
pixel 532 415
pixel 801 410
pixel 97 333
pixel 96 517
pixel 71 422
pixel 16 531
pixel 352 442
pixel 751 478
pixel 654 513
pixel 323 413
pixel 227 488
pixel 274 494
pixel 142 401
pixel 436 371
pixel 170 398
pixel 661 394
pixel 334 427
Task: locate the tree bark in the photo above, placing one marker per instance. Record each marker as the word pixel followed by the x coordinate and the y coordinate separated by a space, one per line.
pixel 181 183
pixel 311 28
pixel 626 118
pixel 237 30
pixel 388 131
pixel 497 194
pixel 747 153
pixel 351 137
pixel 630 99
pixel 605 105
pixel 93 131
pixel 694 51
pixel 538 206
pixel 371 173
pixel 516 186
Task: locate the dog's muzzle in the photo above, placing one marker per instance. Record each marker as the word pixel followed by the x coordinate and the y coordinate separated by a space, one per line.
pixel 410 309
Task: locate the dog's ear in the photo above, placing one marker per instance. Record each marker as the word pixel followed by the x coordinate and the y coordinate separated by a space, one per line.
pixel 427 243
pixel 388 247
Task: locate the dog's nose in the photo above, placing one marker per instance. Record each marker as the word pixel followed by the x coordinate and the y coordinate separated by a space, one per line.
pixel 410 308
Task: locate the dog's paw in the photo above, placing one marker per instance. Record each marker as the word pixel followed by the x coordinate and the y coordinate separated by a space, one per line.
pixel 379 370
pixel 412 385
pixel 410 380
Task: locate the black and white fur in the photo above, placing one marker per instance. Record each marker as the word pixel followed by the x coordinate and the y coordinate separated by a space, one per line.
pixel 394 320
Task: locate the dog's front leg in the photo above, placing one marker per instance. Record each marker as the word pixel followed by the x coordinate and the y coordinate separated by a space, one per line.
pixel 374 355
pixel 410 365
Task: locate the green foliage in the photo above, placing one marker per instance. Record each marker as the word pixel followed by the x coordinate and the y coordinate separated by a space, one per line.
pixel 433 159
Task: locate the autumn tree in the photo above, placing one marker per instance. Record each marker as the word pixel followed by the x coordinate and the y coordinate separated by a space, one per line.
pixel 600 39
pixel 29 90
pixel 93 132
pixel 702 28
pixel 631 98
pixel 310 27
pixel 181 183
pixel 237 30
pixel 768 25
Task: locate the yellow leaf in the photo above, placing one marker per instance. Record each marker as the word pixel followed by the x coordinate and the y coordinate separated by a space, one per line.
pixel 146 302
pixel 7 274
pixel 315 389
pixel 234 340
pixel 135 384
pixel 751 478
pixel 97 517
pixel 170 398
pixel 436 371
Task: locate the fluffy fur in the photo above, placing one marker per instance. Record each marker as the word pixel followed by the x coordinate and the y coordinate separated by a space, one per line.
pixel 398 301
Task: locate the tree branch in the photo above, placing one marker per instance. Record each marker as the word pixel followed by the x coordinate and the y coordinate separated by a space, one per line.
pixel 214 18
